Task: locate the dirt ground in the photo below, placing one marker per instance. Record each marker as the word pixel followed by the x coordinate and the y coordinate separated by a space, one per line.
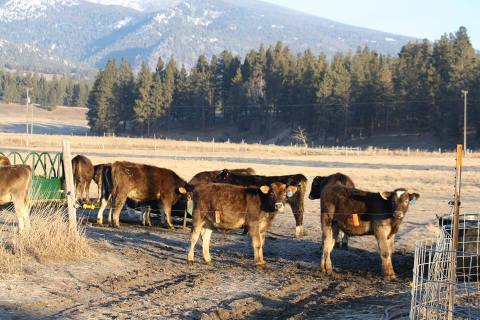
pixel 141 272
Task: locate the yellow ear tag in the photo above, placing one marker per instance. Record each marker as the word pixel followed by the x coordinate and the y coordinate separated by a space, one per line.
pixel 265 189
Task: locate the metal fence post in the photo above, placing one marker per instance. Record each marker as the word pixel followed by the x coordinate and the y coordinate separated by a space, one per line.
pixel 69 185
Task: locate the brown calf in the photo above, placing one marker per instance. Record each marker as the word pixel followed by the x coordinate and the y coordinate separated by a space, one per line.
pixel 82 175
pixel 227 207
pixel 15 182
pixel 141 182
pixel 380 214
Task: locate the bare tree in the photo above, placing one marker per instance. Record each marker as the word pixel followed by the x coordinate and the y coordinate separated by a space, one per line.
pixel 300 135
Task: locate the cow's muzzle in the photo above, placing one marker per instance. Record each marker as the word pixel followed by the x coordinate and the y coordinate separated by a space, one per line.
pixel 280 207
pixel 311 197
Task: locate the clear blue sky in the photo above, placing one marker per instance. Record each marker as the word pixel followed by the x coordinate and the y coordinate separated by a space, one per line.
pixel 418 18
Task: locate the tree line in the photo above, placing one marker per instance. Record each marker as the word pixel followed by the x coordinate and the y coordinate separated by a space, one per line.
pixel 270 89
pixel 45 92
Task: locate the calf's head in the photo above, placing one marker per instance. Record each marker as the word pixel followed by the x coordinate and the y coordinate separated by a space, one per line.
pixel 274 196
pixel 399 201
pixel 318 184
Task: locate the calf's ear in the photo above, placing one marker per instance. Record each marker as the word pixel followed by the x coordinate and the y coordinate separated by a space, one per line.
pixel 413 196
pixel 385 194
pixel 265 189
pixel 182 190
pixel 291 190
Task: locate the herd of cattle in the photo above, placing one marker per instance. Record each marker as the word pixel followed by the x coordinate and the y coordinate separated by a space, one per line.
pixel 230 199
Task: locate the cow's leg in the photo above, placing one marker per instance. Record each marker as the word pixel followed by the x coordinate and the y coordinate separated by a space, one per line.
pixel 118 202
pixel 386 247
pixel 146 221
pixel 257 246
pixel 297 210
pixel 343 239
pixel 87 191
pixel 206 235
pixel 103 205
pixel 196 230
pixel 78 191
pixel 21 211
pixel 327 243
pixel 167 207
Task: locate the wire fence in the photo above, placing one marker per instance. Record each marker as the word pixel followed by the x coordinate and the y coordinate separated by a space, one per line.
pixel 433 283
pixel 209 146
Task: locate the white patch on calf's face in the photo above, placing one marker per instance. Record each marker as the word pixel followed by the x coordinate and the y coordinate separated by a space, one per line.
pixel 280 207
pixel 182 190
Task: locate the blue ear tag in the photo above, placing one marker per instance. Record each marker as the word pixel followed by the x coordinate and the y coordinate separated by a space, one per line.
pixel 289 194
pixel 413 201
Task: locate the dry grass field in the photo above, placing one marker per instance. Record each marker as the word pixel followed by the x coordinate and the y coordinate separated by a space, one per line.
pixel 139 272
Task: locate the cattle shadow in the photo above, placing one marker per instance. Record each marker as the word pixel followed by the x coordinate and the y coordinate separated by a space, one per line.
pixel 234 250
pixel 319 303
pixel 12 313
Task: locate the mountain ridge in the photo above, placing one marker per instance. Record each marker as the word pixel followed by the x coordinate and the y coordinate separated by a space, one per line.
pixel 93 31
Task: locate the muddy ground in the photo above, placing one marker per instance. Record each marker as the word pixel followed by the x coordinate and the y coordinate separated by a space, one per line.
pixel 141 273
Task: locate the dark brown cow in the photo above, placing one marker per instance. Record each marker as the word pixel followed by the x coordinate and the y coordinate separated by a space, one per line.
pixel 380 214
pixel 318 184
pixel 209 176
pixel 141 182
pixel 4 161
pixel 82 175
pixel 295 200
pixel 227 207
pixel 103 178
pixel 15 182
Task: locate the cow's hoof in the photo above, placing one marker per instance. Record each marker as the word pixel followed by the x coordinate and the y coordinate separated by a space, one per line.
pixel 261 265
pixel 299 232
pixel 328 271
pixel 389 277
pixel 190 262
pixel 208 263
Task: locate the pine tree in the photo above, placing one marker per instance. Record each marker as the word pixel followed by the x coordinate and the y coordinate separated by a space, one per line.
pixel 124 95
pixel 142 102
pixel 102 115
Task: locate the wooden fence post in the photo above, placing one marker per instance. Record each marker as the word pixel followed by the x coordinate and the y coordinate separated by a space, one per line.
pixel 69 186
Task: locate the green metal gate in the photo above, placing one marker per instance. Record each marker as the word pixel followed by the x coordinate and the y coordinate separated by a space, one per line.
pixel 47 170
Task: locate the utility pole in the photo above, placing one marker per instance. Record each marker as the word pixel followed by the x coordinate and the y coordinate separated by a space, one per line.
pixel 26 121
pixel 465 92
pixel 31 124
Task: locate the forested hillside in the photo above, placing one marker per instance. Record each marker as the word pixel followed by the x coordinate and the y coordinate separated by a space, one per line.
pixel 352 95
pixel 42 91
